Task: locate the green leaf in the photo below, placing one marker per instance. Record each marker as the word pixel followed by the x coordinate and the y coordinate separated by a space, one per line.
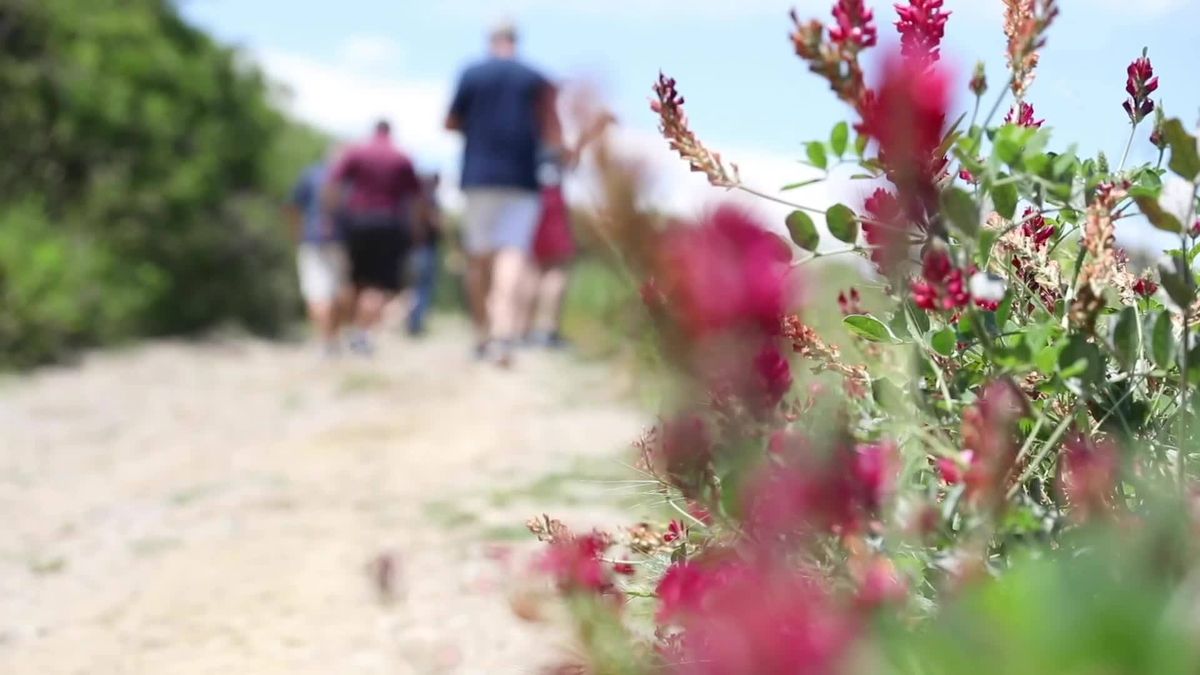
pixel 1064 166
pixel 1149 178
pixel 1155 213
pixel 960 208
pixel 803 183
pixel 1126 342
pixel 987 239
pixel 1162 342
pixel 1004 311
pixel 1007 150
pixel 816 155
pixel 839 138
pixel 1177 282
pixel 1004 196
pixel 803 230
pixel 868 328
pixel 944 342
pixel 920 319
pixel 1081 359
pixel 860 145
pixel 1047 359
pixel 842 223
pixel 1185 161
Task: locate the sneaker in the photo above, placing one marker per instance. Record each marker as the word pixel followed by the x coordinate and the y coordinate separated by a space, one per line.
pixel 549 340
pixel 480 351
pixel 331 351
pixel 500 353
pixel 360 344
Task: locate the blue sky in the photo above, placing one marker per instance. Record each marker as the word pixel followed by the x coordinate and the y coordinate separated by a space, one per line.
pixel 347 61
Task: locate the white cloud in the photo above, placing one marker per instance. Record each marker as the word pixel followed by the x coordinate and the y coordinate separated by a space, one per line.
pixel 371 53
pixel 346 101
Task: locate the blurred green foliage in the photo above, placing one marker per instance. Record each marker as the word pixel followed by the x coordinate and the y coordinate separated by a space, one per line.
pixel 142 170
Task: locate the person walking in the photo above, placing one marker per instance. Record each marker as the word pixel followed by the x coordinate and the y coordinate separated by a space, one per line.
pixel 554 247
pixel 425 255
pixel 321 261
pixel 381 192
pixel 505 111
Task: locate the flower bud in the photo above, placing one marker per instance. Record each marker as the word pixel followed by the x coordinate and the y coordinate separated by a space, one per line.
pixel 979 80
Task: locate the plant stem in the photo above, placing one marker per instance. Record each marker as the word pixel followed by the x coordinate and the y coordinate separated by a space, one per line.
pixel 1183 412
pixel 818 255
pixel 991 113
pixel 1050 444
pixel 1128 145
pixel 778 200
pixel 687 515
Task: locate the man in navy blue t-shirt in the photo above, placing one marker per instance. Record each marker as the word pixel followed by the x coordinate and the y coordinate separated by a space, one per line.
pixel 506 113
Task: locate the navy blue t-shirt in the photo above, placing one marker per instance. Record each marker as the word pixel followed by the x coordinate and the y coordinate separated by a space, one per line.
pixel 306 197
pixel 497 105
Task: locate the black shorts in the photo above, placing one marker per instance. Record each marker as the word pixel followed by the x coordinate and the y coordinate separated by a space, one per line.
pixel 378 247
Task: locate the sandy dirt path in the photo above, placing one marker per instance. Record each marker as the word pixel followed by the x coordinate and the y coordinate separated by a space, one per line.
pixel 213 508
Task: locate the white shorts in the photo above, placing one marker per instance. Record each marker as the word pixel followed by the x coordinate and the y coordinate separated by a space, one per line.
pixel 497 218
pixel 323 269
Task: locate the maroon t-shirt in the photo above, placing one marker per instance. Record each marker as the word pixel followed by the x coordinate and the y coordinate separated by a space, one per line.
pixel 381 177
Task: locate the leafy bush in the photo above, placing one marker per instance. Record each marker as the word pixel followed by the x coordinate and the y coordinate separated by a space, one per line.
pixel 143 138
pixel 980 457
pixel 60 292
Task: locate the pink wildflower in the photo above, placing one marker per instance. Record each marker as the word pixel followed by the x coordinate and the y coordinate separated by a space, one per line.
pixel 855 25
pixel 908 119
pixel 886 234
pixel 775 375
pixel 727 273
pixel 922 26
pixel 685 453
pixel 848 302
pixel 989 434
pixel 881 584
pixel 1034 226
pixel 764 620
pixel 941 286
pixel 1089 474
pixel 1022 116
pixel 624 569
pixel 804 492
pixel 949 470
pixel 675 531
pixel 1140 82
pixel 575 563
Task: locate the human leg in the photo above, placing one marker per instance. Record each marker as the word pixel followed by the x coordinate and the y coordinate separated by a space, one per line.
pixel 512 236
pixel 425 269
pixel 321 270
pixel 505 306
pixel 528 301
pixel 552 290
pixel 375 250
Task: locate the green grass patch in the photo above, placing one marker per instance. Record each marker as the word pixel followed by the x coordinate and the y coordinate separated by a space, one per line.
pixel 448 514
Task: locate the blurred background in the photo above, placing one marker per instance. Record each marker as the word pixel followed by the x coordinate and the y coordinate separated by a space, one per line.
pixel 149 143
pixel 176 491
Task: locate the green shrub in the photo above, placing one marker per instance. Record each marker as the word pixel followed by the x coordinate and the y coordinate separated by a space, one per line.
pixel 159 163
pixel 60 291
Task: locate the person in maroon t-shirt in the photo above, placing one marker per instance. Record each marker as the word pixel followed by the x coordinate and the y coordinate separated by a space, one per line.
pixel 382 192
